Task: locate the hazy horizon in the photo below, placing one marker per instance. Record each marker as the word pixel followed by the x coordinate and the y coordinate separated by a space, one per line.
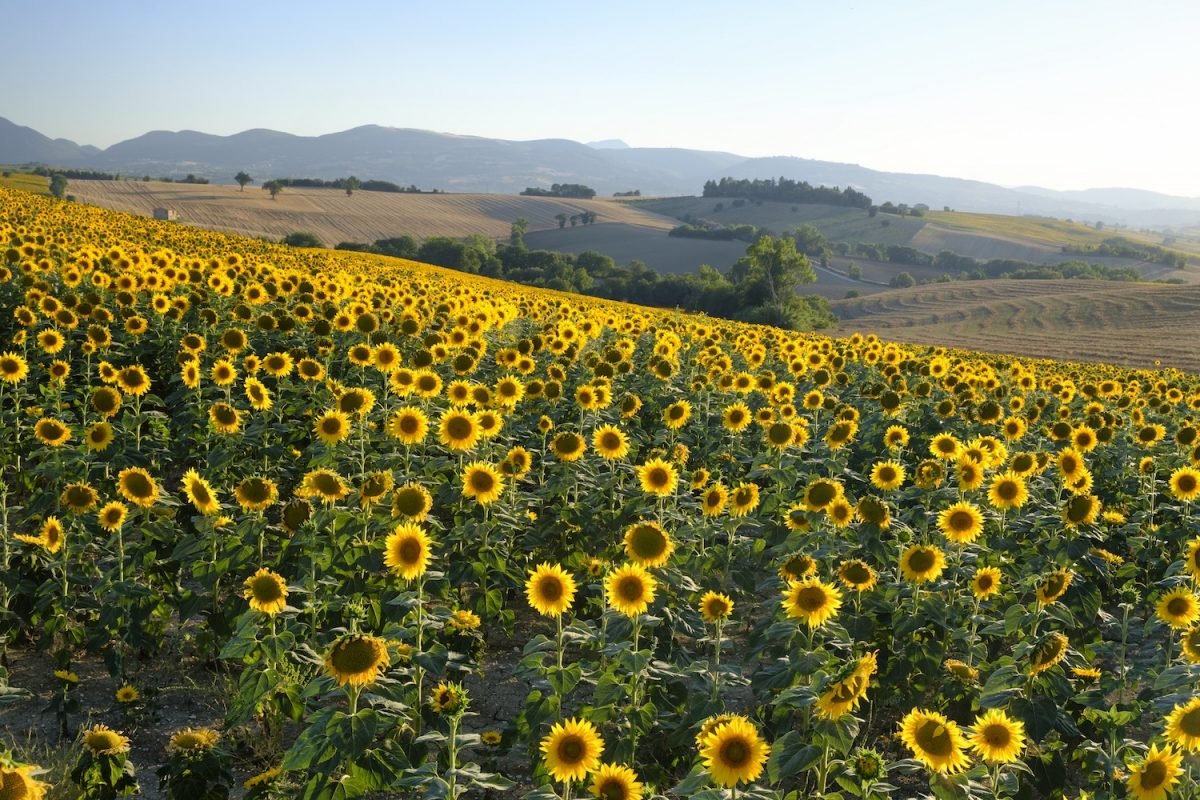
pixel 1072 95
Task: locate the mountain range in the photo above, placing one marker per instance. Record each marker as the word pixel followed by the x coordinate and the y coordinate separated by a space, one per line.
pixel 459 163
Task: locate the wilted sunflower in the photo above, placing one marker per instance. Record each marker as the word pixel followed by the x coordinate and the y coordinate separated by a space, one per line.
pixel 922 563
pixel 616 782
pixel 1183 726
pixel 811 600
pixel 961 523
pixel 200 493
pixel 630 589
pixel 406 551
pixel 357 660
pixel 412 501
pixel 1179 608
pixel 658 477
pixel 408 424
pixel 374 486
pixel 857 575
pixel 266 591
pixel 550 590
pixel 1054 586
pixel 482 482
pixel 986 582
pixel 136 486
pixel 935 741
pixel 998 738
pixel 715 606
pixel 332 426
pixel 1156 775
pixel 734 752
pixel 17 782
pixel 572 749
pixel 256 493
pixel 647 544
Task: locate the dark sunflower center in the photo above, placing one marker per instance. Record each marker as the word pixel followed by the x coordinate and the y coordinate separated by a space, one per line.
pixel 657 477
pixel 1178 606
pixel 354 656
pixel 1186 484
pixel 887 474
pixel 482 482
pixel 921 560
pixel 459 428
pixel 961 521
pixel 811 598
pixel 735 752
pixel 1007 490
pixel 255 490
pixel 611 790
pixel 327 484
pixel 610 441
pixel 225 415
pixel 550 588
pixel 266 589
pixel 1189 723
pixel 933 738
pixel 331 426
pixel 856 573
pixel 631 589
pixel 200 492
pixel 984 582
pixel 821 494
pixel 409 424
pixel 1055 585
pixel 648 541
pixel 997 735
pixel 410 551
pixel 138 485
pixel 1154 775
pixel 571 750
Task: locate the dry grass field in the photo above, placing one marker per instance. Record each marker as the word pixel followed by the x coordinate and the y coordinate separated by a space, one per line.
pixel 1121 323
pixel 363 217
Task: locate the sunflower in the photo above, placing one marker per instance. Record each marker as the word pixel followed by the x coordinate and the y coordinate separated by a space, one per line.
pixel 462 621
pixel 482 482
pixel 458 430
pixel 200 493
pixel 136 486
pixel 324 484
pixel 1007 491
pixel 922 563
pixel 715 606
pixel 658 477
pixel 677 414
pixel 224 418
pixel 1054 586
pixel 189 741
pixel 408 424
pixel 332 426
pixel 106 401
pixel 568 446
pixel 1192 562
pixel 13 368
pixel 266 591
pixel 572 749
pixel 1156 775
pixel 961 670
pixel 133 380
pixel 1082 509
pixel 256 493
pixel 935 741
pixel 857 575
pixel 412 501
pixel 734 752
pixel 961 523
pixel 998 738
pixel 896 437
pixel 79 498
pixel 610 442
pixel 811 600
pixel 1183 726
pixel 1179 608
pixel 550 590
pixel 736 417
pixel 17 782
pixel 887 475
pixel 743 499
pixel 616 782
pixel 448 698
pixel 630 589
pixel 406 551
pixel 986 582
pixel 970 474
pixel 713 500
pixel 357 660
pixel 52 432
pixel 374 486
pixel 126 694
pixel 1185 484
pixel 1050 650
pixel 843 695
pixel 112 516
pixel 647 544
pixel 944 447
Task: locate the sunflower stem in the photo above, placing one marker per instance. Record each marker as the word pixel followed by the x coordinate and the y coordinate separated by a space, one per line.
pixel 558 675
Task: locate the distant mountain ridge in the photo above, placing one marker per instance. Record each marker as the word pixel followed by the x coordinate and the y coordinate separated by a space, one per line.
pixel 479 164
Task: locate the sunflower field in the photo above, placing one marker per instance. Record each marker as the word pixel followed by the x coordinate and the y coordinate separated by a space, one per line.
pixel 430 535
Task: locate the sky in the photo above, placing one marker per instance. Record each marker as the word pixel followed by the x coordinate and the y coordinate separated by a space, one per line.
pixel 1066 94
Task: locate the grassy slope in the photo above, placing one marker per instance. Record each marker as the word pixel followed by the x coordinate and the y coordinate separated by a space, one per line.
pixel 26 182
pixel 1120 323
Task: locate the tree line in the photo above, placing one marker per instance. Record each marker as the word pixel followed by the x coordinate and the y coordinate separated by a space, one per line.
pixel 1120 247
pixel 762 286
pixel 786 190
pixel 573 190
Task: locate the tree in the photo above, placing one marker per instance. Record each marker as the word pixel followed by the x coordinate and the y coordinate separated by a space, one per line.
pixel 771 269
pixel 854 272
pixel 274 187
pixel 58 185
pixel 562 220
pixel 302 239
pixel 903 280
pixel 516 234
pixel 352 183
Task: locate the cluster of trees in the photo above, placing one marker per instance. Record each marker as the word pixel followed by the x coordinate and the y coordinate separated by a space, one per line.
pixel 966 268
pixel 786 190
pixel 573 190
pixel 761 287
pixel 582 218
pixel 899 209
pixel 1119 247
pixel 720 233
pixel 76 174
pixel 630 193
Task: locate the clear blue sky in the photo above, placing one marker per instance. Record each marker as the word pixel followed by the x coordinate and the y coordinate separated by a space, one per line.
pixel 1062 93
